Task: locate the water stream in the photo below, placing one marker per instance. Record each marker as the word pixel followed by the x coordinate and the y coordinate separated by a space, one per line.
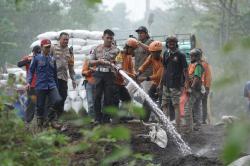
pixel 167 125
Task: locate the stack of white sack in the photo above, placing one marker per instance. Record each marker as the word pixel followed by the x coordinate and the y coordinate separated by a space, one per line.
pixel 77 98
pixel 19 72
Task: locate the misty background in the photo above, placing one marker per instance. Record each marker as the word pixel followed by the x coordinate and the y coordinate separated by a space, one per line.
pixel 221 28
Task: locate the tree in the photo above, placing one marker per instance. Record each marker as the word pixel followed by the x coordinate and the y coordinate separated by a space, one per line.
pixel 21 21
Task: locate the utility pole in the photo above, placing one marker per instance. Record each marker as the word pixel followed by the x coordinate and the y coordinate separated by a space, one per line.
pixel 147 9
pixel 148 15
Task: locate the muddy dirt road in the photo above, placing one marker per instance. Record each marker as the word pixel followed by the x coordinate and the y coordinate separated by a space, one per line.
pixel 206 146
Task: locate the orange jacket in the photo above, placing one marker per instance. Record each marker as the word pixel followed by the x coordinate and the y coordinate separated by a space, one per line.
pixel 127 66
pixel 191 70
pixel 157 69
pixel 87 72
pixel 207 74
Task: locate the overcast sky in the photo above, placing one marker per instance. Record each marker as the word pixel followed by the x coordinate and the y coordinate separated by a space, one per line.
pixel 136 8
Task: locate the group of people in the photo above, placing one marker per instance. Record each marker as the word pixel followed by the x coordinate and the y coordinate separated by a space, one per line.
pixel 47 76
pixel 164 74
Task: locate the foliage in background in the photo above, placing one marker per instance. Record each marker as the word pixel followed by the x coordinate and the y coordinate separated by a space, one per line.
pixel 107 144
pixel 99 145
pixel 21 148
pixel 22 20
pixel 237 141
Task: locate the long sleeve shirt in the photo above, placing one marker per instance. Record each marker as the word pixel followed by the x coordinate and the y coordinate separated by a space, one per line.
pixel 26 60
pixel 64 62
pixel 105 53
pixel 207 74
pixel 87 72
pixel 46 72
pixel 157 69
pixel 127 65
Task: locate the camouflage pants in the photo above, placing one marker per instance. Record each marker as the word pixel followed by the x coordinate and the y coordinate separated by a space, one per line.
pixel 170 98
pixel 192 110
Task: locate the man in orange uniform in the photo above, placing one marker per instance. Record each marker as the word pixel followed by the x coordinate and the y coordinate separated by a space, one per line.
pixel 87 72
pixel 125 62
pixel 193 86
pixel 155 61
pixel 207 84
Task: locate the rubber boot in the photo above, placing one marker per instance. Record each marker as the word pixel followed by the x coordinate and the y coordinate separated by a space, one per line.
pixel 53 119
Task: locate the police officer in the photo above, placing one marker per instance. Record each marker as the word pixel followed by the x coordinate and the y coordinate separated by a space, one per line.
pixel 65 62
pixel 102 56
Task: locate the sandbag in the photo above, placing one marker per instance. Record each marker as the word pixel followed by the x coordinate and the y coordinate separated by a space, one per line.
pixel 20 75
pixel 96 35
pixel 72 94
pixel 53 42
pixel 75 47
pixel 94 42
pixel 77 41
pixel 77 104
pixel 48 35
pixel 79 57
pixel 35 43
pixel 82 94
pixel 68 31
pixel 81 86
pixel 78 70
pixel 78 63
pixel 86 49
pixel 83 34
pixel 14 70
pixel 38 43
pixel 4 76
pixel 67 104
pixel 70 86
pixel 3 83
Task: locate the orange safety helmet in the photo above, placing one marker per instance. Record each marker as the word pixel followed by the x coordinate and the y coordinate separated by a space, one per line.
pixel 155 46
pixel 131 42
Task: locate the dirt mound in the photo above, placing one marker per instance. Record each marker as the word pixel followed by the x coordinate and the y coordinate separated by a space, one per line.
pixel 206 146
pixel 192 160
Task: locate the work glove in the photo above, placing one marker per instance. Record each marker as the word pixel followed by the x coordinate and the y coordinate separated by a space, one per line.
pixel 141 79
pixel 137 74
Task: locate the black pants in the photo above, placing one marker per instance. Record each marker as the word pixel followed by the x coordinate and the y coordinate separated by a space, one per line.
pixel 63 91
pixel 104 86
pixel 31 105
pixel 154 96
pixel 121 93
pixel 54 99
